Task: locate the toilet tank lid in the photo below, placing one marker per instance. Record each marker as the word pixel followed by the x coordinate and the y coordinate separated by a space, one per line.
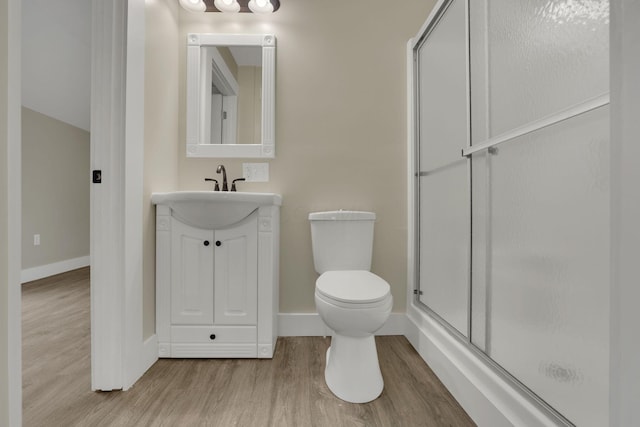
pixel 342 215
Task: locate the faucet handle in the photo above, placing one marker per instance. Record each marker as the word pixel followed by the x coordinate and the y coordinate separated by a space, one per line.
pixel 216 187
pixel 233 183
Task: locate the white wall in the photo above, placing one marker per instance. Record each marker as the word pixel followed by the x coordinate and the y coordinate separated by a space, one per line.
pixel 161 131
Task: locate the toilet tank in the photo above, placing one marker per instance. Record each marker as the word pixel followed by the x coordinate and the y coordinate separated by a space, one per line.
pixel 342 240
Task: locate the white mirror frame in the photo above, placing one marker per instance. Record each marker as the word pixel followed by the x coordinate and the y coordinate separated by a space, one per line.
pixel 195 145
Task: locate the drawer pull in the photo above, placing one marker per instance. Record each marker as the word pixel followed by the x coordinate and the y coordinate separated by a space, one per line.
pixel 212 336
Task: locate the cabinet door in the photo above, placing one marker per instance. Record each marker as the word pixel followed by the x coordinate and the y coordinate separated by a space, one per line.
pixel 236 274
pixel 191 275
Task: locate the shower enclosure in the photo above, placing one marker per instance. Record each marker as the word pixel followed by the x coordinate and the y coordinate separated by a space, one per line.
pixel 511 133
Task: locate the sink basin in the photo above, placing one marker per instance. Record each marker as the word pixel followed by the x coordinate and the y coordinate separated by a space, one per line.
pixel 213 209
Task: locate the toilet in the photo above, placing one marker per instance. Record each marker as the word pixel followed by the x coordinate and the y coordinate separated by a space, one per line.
pixel 352 301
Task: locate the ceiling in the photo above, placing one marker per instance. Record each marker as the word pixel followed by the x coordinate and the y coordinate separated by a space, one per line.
pixel 56 59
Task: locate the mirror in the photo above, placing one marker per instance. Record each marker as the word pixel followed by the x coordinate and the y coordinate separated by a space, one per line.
pixel 231 95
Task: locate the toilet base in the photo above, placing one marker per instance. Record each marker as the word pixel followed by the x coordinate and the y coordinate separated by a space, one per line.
pixel 352 370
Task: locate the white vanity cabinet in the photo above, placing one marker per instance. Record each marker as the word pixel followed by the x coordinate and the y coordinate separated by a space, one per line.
pixel 217 290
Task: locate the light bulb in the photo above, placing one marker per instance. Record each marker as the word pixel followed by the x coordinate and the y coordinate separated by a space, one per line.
pixel 227 5
pixel 193 5
pixel 260 6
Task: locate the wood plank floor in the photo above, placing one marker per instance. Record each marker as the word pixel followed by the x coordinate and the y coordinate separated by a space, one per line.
pixel 288 390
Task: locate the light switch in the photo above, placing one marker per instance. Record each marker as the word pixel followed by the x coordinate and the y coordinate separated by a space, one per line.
pixel 255 172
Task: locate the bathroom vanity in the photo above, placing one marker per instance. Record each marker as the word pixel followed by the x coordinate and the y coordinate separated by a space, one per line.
pixel 217 274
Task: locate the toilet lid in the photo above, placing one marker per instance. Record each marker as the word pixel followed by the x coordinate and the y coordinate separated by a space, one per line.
pixel 352 286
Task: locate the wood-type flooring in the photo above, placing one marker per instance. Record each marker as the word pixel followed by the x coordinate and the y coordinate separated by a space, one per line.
pixel 288 390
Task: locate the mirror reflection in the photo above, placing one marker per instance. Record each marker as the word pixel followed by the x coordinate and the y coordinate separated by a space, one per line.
pixel 232 108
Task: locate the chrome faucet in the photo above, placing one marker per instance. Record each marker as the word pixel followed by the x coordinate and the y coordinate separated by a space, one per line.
pixel 221 168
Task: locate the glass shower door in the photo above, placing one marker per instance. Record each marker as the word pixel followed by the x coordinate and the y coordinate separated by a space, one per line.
pixel 443 182
pixel 540 219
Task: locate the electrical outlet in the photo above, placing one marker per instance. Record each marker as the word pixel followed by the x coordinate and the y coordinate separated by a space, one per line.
pixel 36 240
pixel 255 172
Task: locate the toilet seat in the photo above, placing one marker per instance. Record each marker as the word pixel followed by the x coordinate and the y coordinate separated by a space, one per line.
pixel 352 288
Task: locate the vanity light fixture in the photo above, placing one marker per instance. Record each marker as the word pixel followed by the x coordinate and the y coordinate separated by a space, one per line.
pixel 231 6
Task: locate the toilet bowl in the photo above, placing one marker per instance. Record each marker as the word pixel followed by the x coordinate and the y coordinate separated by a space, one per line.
pixel 354 304
pixel 351 300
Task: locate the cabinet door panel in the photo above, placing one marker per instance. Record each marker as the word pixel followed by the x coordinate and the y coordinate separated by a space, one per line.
pixel 236 274
pixel 191 275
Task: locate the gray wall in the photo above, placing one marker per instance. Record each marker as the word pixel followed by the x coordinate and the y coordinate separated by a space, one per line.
pixel 55 190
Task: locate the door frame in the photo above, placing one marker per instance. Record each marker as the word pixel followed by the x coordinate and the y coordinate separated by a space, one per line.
pixel 12 348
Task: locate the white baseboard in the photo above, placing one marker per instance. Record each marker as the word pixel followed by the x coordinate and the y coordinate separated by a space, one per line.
pixel 483 393
pixel 35 273
pixel 311 325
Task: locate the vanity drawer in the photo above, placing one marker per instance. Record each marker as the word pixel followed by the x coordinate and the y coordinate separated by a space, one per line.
pixel 214 334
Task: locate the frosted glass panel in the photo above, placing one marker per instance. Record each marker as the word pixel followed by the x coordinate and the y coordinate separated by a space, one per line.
pixel 443 98
pixel 480 251
pixel 444 183
pixel 543 288
pixel 444 244
pixel 533 58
